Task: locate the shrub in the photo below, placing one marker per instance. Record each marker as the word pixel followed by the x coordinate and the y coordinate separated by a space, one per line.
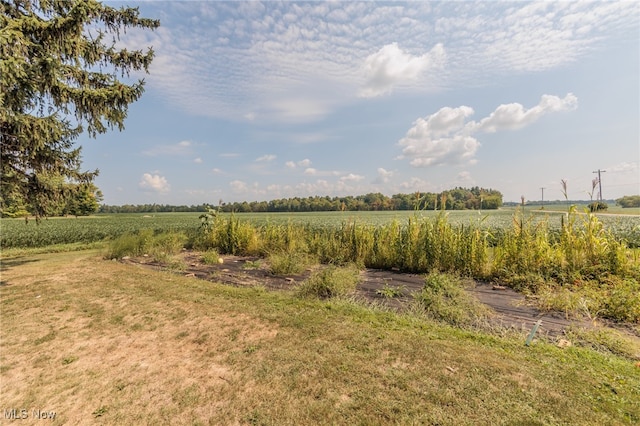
pixel 332 281
pixel 597 206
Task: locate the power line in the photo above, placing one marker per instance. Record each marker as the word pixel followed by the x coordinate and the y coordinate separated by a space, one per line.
pixel 599 183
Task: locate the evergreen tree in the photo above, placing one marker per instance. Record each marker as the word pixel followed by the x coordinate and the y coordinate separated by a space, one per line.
pixel 60 75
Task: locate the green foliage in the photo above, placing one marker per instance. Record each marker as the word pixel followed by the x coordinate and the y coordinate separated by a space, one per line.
pixel 443 298
pixel 455 199
pixel 332 281
pixel 84 200
pixel 597 206
pixel 629 201
pixel 59 73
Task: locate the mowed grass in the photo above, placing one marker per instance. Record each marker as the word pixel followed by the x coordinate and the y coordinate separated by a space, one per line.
pixel 98 341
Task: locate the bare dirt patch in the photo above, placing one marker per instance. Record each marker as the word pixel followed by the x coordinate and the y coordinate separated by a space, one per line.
pixel 511 310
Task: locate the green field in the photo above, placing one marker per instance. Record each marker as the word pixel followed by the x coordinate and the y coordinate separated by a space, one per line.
pixel 16 234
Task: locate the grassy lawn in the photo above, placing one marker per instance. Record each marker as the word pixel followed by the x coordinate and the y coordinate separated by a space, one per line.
pixel 101 342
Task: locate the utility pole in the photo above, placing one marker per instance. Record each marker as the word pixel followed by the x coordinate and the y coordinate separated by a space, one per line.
pixel 599 183
pixel 542 189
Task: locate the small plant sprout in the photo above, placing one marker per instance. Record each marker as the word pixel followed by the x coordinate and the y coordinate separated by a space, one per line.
pixel 390 292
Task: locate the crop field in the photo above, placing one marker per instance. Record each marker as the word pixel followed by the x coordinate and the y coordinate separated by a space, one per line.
pixel 15 233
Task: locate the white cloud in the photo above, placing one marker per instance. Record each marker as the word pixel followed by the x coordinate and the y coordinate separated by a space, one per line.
pixel 515 116
pixel 445 137
pixel 154 183
pixel 351 178
pixel 414 184
pixel 625 167
pixel 384 176
pixel 464 179
pixel 266 158
pixel 197 160
pixel 217 171
pixel 440 139
pixel 302 163
pixel 238 186
pixel 391 66
pixel 315 172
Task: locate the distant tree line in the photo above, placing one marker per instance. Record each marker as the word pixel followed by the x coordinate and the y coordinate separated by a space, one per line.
pixel 455 199
pixel 624 202
pixel 629 201
pixel 152 208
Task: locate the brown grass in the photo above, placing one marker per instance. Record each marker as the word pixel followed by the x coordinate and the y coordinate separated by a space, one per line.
pixel 99 341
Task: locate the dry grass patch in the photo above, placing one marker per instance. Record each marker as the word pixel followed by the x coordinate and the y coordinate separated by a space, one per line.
pixel 89 338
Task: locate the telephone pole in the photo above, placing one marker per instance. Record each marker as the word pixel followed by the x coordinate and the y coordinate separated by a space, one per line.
pixel 599 183
pixel 542 189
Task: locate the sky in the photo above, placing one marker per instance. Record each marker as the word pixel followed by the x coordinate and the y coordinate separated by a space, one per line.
pixel 252 101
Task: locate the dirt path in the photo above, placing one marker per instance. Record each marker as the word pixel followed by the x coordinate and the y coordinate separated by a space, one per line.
pixel 510 308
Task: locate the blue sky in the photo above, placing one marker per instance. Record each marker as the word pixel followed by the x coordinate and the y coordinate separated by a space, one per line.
pixel 264 100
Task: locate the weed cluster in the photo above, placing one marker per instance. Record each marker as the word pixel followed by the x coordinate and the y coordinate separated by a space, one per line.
pixel 443 298
pixel 289 263
pixel 160 246
pixel 583 264
pixel 330 282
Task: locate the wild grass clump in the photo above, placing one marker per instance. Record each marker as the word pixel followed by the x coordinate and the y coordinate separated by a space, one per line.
pixel 329 282
pixel 609 297
pixel 210 257
pixel 288 263
pixel 604 341
pixel 165 245
pixel 158 246
pixel 443 298
pixel 129 244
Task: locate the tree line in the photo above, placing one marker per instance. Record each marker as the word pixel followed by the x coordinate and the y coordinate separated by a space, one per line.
pixel 455 199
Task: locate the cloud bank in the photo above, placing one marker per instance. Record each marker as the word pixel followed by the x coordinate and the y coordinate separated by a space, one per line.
pixel 299 62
